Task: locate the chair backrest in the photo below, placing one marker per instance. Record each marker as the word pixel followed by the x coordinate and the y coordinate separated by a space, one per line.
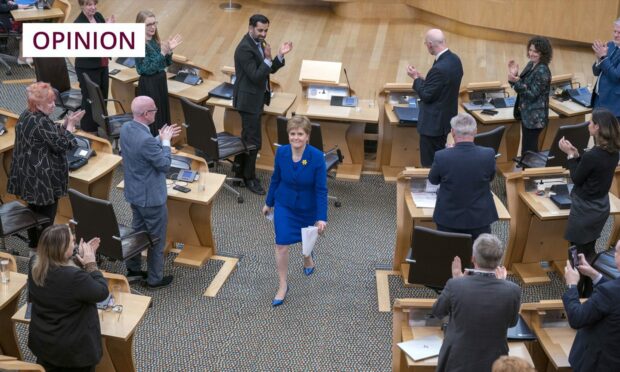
pixel 97 103
pixel 316 138
pixel 201 133
pixel 577 134
pixel 96 218
pixel 53 71
pixel 492 138
pixel 433 252
pixel 12 263
pixel 65 6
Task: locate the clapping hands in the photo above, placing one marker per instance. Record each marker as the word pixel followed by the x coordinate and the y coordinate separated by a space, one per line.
pixel 600 49
pixel 167 132
pixel 286 47
pixel 568 147
pixel 169 45
pixel 87 251
pixel 72 120
pixel 513 71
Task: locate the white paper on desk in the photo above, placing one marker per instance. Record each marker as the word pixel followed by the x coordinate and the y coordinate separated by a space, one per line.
pixel 424 199
pixel 309 236
pixel 422 348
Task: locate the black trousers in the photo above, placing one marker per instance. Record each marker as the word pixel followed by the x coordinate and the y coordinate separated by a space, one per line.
pixel 100 77
pixel 429 145
pixel 52 368
pixel 473 232
pixel 245 164
pixel 46 210
pixel 585 286
pixel 529 139
pixel 156 87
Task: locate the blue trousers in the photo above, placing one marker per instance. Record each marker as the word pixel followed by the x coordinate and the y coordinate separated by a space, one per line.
pixel 154 220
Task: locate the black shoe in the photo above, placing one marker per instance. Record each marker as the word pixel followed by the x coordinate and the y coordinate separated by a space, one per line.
pixel 136 274
pixel 255 186
pixel 238 183
pixel 166 281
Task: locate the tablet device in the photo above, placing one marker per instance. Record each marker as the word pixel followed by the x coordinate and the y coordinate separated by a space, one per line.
pixel 186 175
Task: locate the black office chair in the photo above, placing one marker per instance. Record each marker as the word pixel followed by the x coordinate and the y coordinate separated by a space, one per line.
pixel 110 124
pixel 54 71
pixel 605 264
pixel 577 134
pixel 15 218
pixel 212 146
pixel 333 157
pixel 492 139
pixel 6 36
pixel 96 218
pixel 432 252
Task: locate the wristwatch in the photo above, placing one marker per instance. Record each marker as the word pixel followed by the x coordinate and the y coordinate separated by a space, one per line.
pixel 571 286
pixel 571 156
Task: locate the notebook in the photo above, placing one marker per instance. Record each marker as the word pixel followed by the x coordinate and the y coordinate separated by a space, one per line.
pixel 224 90
pixel 422 348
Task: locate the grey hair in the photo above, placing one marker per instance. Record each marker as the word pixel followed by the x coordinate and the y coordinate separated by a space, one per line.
pixel 488 251
pixel 463 125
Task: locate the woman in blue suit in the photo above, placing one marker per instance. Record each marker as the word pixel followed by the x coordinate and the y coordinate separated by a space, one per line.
pixel 298 191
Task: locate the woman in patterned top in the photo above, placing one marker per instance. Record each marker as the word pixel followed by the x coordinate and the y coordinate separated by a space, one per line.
pixel 157 56
pixel 39 171
pixel 532 87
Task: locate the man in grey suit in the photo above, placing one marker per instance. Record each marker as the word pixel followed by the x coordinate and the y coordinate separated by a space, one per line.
pixel 482 306
pixel 146 160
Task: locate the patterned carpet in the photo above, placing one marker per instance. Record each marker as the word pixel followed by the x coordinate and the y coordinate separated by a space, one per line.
pixel 329 321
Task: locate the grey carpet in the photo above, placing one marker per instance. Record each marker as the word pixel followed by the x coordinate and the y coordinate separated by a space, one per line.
pixel 329 321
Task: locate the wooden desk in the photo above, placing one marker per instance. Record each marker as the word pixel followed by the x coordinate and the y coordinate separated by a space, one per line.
pixel 537 226
pixel 94 179
pixel 416 310
pixel 547 320
pixel 343 127
pixel 408 216
pixel 280 104
pixel 117 332
pixel 399 146
pixel 37 15
pixel 9 298
pixel 189 215
pixel 570 113
pixel 7 142
pixel 615 189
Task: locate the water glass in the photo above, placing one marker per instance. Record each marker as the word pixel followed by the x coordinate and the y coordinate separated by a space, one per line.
pixel 4 271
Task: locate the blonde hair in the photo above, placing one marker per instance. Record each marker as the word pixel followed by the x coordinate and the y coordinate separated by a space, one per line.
pixel 51 252
pixel 299 122
pixel 141 18
pixel 511 364
pixel 39 93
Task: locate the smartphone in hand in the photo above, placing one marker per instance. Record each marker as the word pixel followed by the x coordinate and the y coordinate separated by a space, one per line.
pixel 573 258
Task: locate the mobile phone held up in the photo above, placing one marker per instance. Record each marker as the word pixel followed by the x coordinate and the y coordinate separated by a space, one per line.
pixel 573 258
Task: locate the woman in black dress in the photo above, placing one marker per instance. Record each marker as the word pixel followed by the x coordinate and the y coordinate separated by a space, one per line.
pixel 592 174
pixel 39 170
pixel 96 68
pixel 152 69
pixel 64 332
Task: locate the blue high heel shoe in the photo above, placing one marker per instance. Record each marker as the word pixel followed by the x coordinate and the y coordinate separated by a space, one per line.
pixel 278 302
pixel 309 270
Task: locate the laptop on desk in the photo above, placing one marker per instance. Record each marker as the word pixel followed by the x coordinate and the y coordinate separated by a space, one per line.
pixel 224 90
pixel 580 95
pixel 407 116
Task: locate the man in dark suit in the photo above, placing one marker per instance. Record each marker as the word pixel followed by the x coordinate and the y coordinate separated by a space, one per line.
pixel 253 64
pixel 597 320
pixel 438 93
pixel 482 306
pixel 607 68
pixel 146 161
pixel 464 172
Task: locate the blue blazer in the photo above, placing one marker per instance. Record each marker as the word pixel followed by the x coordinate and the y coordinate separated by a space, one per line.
pixel 305 190
pixel 608 72
pixel 464 200
pixel 597 320
pixel 145 164
pixel 439 95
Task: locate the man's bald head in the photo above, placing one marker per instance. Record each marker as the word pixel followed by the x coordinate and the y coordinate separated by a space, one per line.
pixel 435 41
pixel 143 109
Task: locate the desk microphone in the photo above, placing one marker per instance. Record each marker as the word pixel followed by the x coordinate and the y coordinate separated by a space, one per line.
pixel 348 84
pixel 347 101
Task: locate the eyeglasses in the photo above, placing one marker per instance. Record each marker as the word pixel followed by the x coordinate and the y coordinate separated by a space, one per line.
pixel 149 111
pixel 154 24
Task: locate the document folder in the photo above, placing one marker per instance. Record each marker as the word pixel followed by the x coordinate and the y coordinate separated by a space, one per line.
pixel 224 90
pixel 580 95
pixel 407 116
pixel 126 61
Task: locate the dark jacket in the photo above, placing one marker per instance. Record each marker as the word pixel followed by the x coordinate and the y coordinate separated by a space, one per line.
pixel 39 170
pixel 596 345
pixel 64 327
pixel 481 310
pixel 464 199
pixel 439 94
pixel 250 91
pixel 305 190
pixel 5 14
pixel 532 104
pixel 89 63
pixel 608 72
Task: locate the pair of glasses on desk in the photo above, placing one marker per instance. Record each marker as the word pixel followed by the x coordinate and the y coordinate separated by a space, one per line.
pixel 118 309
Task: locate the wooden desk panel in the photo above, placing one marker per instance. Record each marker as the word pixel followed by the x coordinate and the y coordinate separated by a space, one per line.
pixel 9 297
pixel 37 15
pixel 403 143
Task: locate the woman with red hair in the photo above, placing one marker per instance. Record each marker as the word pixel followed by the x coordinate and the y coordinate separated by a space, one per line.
pixel 39 171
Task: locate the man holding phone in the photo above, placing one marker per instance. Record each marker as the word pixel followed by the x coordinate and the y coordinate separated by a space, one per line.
pixel 251 91
pixel 597 320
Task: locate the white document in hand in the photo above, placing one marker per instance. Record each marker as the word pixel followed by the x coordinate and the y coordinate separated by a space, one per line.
pixel 308 239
